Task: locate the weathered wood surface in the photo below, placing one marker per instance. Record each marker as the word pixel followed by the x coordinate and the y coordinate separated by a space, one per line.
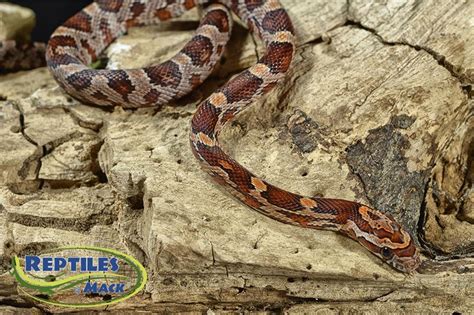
pixel 378 107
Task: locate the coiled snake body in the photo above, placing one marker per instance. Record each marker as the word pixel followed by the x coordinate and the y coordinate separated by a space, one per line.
pixel 79 41
pixel 20 56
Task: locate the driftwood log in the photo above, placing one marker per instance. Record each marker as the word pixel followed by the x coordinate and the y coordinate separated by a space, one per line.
pixel 378 108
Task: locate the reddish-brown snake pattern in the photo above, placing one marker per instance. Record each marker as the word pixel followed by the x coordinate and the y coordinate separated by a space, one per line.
pixel 84 36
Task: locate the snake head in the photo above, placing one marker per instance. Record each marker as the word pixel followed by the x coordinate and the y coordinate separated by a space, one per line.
pixel 385 238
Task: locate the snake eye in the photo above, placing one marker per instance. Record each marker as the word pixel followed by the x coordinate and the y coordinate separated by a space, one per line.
pixel 386 253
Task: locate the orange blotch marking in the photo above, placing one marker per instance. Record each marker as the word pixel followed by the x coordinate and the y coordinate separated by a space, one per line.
pixel 258 184
pixel 218 99
pixel 226 165
pixel 283 36
pixel 205 139
pixel 181 59
pixel 308 202
pixel 364 211
pixel 273 5
pixel 259 69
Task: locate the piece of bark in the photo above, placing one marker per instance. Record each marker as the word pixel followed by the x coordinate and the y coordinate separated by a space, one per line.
pixel 362 116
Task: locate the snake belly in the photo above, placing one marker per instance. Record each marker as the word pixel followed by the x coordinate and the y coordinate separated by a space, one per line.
pixel 80 40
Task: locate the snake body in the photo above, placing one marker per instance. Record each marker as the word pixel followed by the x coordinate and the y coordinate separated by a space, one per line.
pixel 16 56
pixel 81 38
pixel 79 41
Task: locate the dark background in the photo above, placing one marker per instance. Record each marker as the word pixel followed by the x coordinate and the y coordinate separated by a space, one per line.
pixel 50 14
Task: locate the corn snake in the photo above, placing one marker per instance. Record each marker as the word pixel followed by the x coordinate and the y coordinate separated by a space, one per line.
pixel 80 40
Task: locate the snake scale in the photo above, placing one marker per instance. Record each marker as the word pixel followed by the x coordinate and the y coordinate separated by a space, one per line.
pixel 20 56
pixel 80 40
